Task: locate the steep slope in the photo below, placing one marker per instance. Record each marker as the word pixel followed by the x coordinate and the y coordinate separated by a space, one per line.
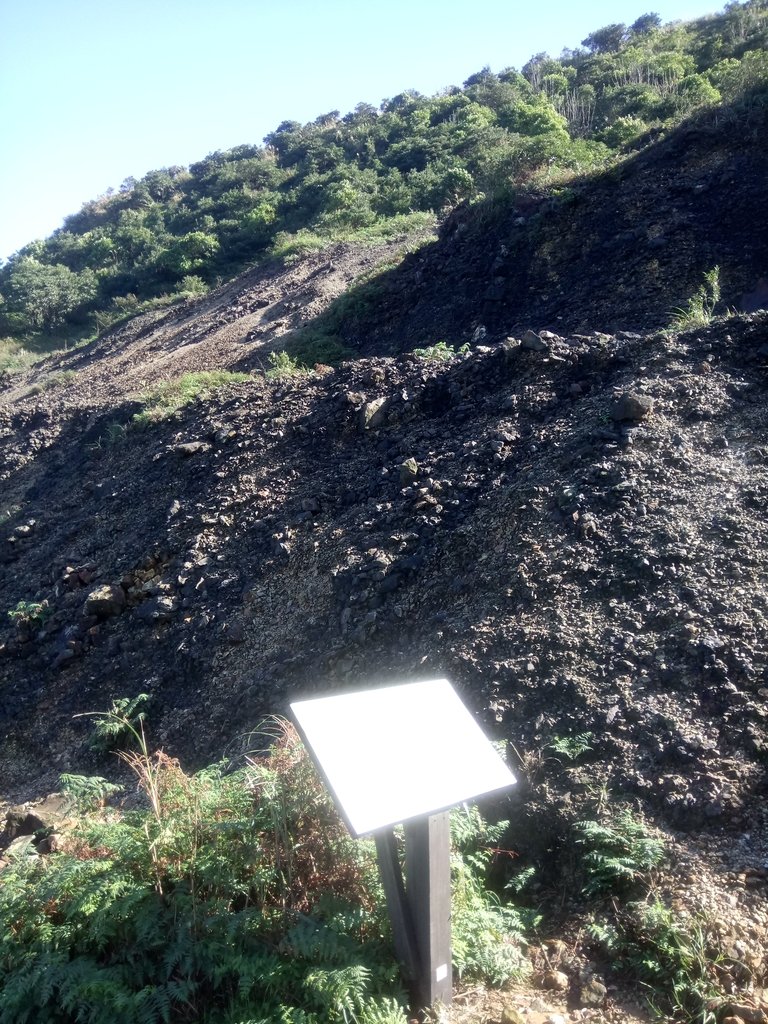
pixel 572 571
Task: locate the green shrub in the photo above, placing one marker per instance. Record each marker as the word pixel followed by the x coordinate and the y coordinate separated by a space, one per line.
pixel 192 286
pixel 228 896
pixel 87 792
pixel 232 897
pixel 283 367
pixel 29 614
pixel 123 723
pixel 487 935
pixel 440 351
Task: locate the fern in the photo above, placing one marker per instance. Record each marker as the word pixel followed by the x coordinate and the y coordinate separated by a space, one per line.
pixel 86 792
pixel 617 852
pixel 233 896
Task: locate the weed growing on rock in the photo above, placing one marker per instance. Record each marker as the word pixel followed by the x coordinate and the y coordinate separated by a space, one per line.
pixel 115 434
pixel 572 747
pixel 53 380
pixel 283 367
pixel 673 960
pixel 29 614
pixel 309 346
pixel 700 308
pixel 171 395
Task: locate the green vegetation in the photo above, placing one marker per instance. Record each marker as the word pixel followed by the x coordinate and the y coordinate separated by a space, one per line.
pixel 312 345
pixel 163 400
pixel 29 614
pixel 487 935
pixel 8 513
pixel 380 171
pixel 572 747
pixel 56 379
pixel 643 938
pixel 87 792
pixel 18 355
pixel 123 723
pixel 700 308
pixel 673 960
pixel 283 367
pixel 617 852
pixel 441 351
pixel 231 896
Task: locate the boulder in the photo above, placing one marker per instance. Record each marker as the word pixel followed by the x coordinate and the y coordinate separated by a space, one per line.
pixel 105 601
pixel 409 472
pixel 533 342
pixel 374 413
pixel 631 406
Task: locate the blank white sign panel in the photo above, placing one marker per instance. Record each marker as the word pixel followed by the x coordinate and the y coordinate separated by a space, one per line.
pixel 399 752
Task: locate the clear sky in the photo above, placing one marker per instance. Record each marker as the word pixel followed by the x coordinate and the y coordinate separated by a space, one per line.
pixel 95 91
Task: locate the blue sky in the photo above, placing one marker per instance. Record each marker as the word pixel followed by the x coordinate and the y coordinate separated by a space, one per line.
pixel 95 91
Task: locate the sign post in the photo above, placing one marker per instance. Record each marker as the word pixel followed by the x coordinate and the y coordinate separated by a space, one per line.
pixel 406 754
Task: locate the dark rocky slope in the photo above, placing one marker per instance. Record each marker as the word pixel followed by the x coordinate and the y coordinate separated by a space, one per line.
pixel 571 570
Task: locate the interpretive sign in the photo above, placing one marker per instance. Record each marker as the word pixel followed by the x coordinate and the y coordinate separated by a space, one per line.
pixel 399 752
pixel 406 753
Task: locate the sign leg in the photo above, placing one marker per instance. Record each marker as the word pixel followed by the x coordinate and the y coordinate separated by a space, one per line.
pixel 399 910
pixel 428 881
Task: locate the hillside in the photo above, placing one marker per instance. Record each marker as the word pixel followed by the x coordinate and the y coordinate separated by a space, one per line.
pixel 520 440
pixel 510 136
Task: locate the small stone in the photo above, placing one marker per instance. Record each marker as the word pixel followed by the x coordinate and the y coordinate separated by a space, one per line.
pixel 555 980
pixel 158 609
pixel 593 993
pixel 555 948
pixel 747 1014
pixel 631 406
pixel 310 505
pixel 235 633
pixel 555 1018
pixel 409 471
pixel 187 448
pixel 51 844
pixel 20 848
pixel 510 1015
pixel 373 413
